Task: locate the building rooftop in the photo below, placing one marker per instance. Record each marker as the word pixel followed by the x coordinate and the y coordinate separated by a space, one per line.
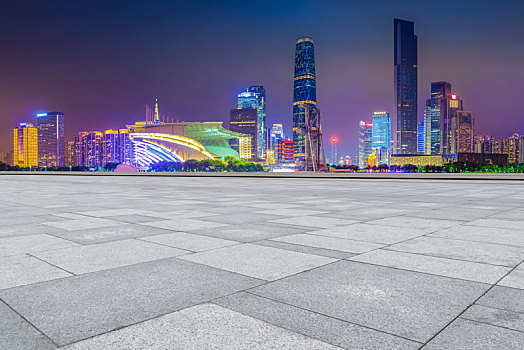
pixel 134 262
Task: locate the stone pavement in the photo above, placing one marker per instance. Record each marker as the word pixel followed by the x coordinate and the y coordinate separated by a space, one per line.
pixel 108 262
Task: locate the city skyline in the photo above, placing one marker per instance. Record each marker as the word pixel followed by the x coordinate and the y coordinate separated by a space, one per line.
pixel 342 56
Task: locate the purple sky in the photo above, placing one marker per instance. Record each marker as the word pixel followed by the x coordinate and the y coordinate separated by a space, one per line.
pixel 100 62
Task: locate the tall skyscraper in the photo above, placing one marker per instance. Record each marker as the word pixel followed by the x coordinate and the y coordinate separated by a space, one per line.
pixel 421 137
pixel 277 133
pixel 448 131
pixel 89 149
pixel 255 97
pixel 405 44
pixel 364 143
pixel 50 139
pixel 304 93
pixel 244 121
pixel 25 145
pixel 380 130
pixel 521 149
pixel 69 153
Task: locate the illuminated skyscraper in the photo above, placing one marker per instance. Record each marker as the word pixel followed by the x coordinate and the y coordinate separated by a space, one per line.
pixel 421 137
pixel 380 130
pixel 277 133
pixel 364 143
pixel 448 131
pixel 521 149
pixel 89 149
pixel 462 137
pixel 285 151
pixel 304 92
pixel 255 97
pixel 25 145
pixel 405 43
pixel 50 139
pixel 69 153
pixel 244 121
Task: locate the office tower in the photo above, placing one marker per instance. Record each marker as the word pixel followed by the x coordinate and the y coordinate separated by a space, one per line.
pixel 125 147
pixel 432 128
pixel 245 147
pixel 448 141
pixel 255 97
pixel 304 93
pixel 405 45
pixel 285 151
pixel 514 148
pixel 462 132
pixel 25 145
pixel 110 147
pixel 380 130
pixel 334 152
pixel 89 149
pixel 69 153
pixel 50 139
pixel 277 133
pixel 244 121
pixel 364 143
pixel 421 137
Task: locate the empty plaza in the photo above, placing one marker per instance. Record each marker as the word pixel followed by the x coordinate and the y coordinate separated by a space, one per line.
pixel 172 262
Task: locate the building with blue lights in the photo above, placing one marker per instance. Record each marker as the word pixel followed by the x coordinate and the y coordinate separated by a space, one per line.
pixel 255 97
pixel 50 139
pixel 364 143
pixel 380 130
pixel 304 93
pixel 421 138
pixel 405 44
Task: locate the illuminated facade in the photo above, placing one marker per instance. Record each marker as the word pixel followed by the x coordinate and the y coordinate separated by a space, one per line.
pixel 448 131
pixel 405 45
pixel 462 133
pixel 69 153
pixel 255 97
pixel 244 121
pixel 380 130
pixel 277 133
pixel 514 149
pixel 421 138
pixel 245 147
pixel 521 149
pixel 304 93
pixel 50 139
pixel 285 151
pixel 25 145
pixel 364 143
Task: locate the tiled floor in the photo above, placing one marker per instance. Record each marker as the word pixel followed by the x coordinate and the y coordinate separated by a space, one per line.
pixel 260 263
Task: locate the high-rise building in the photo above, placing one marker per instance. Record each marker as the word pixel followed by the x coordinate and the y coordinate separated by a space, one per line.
pixel 334 151
pixel 448 131
pixel 125 147
pixel 405 45
pixel 364 143
pixel 277 133
pixel 521 149
pixel 514 148
pixel 255 97
pixel 110 147
pixel 50 139
pixel 462 135
pixel 285 151
pixel 69 153
pixel 89 149
pixel 304 93
pixel 421 138
pixel 25 145
pixel 6 158
pixel 244 121
pixel 380 130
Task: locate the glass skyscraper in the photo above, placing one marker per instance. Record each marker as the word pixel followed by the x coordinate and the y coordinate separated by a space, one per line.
pixel 421 137
pixel 50 139
pixel 244 121
pixel 364 143
pixel 380 130
pixel 304 92
pixel 25 145
pixel 405 43
pixel 255 97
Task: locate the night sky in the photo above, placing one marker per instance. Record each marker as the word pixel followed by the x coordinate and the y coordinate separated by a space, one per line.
pixel 100 62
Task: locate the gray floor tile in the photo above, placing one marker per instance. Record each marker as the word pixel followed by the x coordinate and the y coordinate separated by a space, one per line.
pixel 68 310
pixel 408 304
pixel 31 243
pixel 343 334
pixel 332 243
pixel 114 212
pixel 18 334
pixel 239 218
pixel 189 241
pixel 19 270
pixel 261 262
pixel 487 253
pixel 184 224
pixel 464 335
pixel 496 223
pixel 335 254
pixel 103 256
pixel 82 224
pixel 204 326
pixel 314 221
pixel 250 232
pixel 515 278
pixel 373 233
pixel 414 222
pixel 504 298
pixel 437 266
pixel 483 234
pixel 496 317
pixel 290 212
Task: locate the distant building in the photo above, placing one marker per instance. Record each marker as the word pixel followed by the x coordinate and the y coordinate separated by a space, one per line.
pixel 285 151
pixel 50 139
pixel 277 133
pixel 244 121
pixel 514 148
pixel 25 145
pixel 69 153
pixel 405 53
pixel 89 149
pixel 364 143
pixel 380 130
pixel 521 149
pixel 245 147
pixel 449 125
pixel 255 97
pixel 462 137
pixel 440 160
pixel 421 138
pixel 6 157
